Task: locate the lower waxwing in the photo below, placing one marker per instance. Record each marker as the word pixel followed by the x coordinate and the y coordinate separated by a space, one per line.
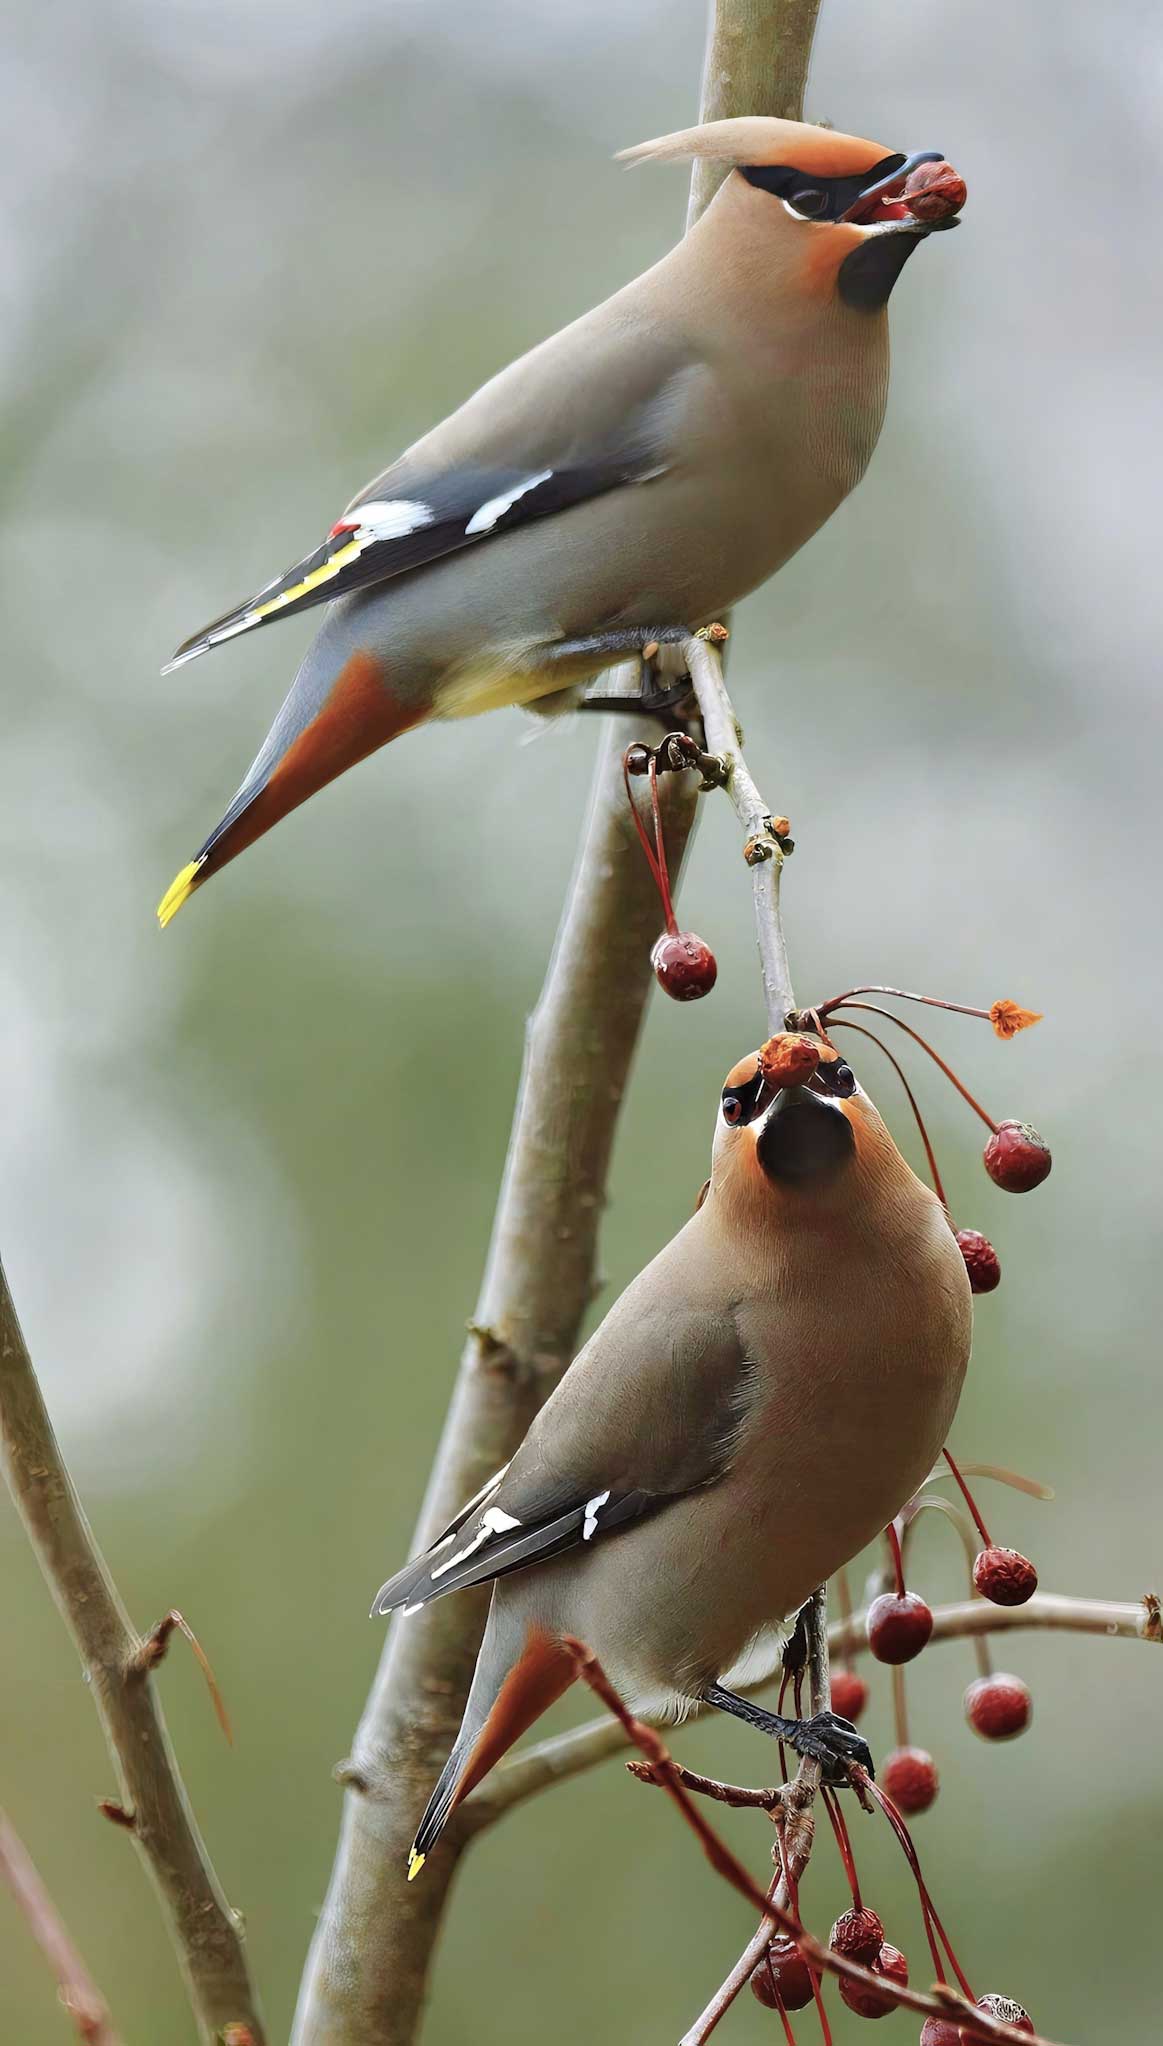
pixel 627 481
pixel 757 1405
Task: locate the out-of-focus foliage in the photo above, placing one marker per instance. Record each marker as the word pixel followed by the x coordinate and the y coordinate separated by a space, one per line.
pixel 249 252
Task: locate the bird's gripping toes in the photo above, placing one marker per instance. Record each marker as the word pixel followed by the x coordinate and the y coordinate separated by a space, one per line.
pixel 755 1407
pixel 639 472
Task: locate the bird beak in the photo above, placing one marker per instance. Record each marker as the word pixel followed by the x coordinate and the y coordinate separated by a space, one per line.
pixel 880 203
pixel 803 1135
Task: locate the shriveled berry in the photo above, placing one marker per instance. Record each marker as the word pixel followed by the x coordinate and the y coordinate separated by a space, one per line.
pixel 909 1777
pixel 789 1058
pixel 939 2032
pixel 868 2002
pixel 998 1707
pixel 934 192
pixel 849 1694
pixel 981 1260
pixel 899 1624
pixel 1005 1576
pixel 1016 1157
pixel 1005 2010
pixel 858 1935
pixel 793 1977
pixel 684 967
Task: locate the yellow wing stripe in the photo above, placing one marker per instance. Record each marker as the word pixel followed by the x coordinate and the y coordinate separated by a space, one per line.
pixel 329 568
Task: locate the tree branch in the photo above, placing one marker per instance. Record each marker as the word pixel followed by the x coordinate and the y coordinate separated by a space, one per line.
pixel 154 1803
pixel 567 1754
pixel 75 1986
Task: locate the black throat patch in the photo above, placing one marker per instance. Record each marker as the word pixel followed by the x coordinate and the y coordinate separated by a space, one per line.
pixel 866 276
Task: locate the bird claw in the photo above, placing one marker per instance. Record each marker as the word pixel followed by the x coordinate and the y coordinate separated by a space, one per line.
pixel 834 1743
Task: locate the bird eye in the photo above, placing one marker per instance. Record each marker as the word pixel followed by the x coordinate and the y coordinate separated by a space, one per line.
pixel 810 202
pixel 843 1079
pixel 732 1109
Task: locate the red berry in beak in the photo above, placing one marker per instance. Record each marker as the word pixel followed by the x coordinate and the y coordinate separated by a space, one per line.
pixel 1016 1157
pixel 789 1059
pixel 899 1624
pixel 909 1777
pixel 981 1260
pixel 793 1977
pixel 891 1963
pixel 849 1694
pixel 1005 2010
pixel 684 967
pixel 939 2032
pixel 1005 1576
pixel 998 1707
pixel 934 192
pixel 858 1935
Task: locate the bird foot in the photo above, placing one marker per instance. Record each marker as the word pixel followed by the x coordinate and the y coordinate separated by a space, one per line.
pixel 833 1742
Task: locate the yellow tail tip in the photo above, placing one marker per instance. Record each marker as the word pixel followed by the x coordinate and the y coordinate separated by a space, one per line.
pixel 415 1864
pixel 183 885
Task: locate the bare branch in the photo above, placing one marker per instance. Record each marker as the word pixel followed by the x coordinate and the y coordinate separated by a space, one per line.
pixel 153 1803
pixel 75 1986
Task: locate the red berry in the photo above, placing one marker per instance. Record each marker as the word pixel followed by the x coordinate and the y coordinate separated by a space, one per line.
pixel 793 1977
pixel 858 1935
pixel 935 192
pixel 790 1058
pixel 1005 1577
pixel 849 1694
pixel 1005 2010
pixel 939 2032
pixel 998 1707
pixel 867 2002
pixel 1016 1157
pixel 909 1776
pixel 981 1260
pixel 684 967
pixel 899 1624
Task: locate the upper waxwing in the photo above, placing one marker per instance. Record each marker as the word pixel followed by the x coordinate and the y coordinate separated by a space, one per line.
pixel 628 480
pixel 757 1405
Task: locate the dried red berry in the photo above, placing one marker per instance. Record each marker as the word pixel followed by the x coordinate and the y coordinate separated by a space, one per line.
pixel 909 1777
pixel 1005 1576
pixel 858 1935
pixel 981 1260
pixel 899 1624
pixel 1016 1157
pixel 793 1977
pixel 998 1707
pixel 849 1694
pixel 866 2001
pixel 1008 1018
pixel 1005 2010
pixel 790 1058
pixel 934 192
pixel 939 2032
pixel 684 967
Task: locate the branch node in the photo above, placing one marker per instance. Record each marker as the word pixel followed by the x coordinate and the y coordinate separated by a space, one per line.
pixel 116 1814
pixel 350 1776
pixel 1153 1619
pixel 758 849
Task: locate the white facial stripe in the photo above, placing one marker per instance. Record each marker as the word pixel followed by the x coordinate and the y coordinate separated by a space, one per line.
pixel 485 519
pixel 493 1522
pixel 392 518
pixel 593 1508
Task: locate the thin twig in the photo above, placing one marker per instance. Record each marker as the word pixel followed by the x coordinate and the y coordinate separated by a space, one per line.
pixel 565 1755
pixel 75 1986
pixel 153 1800
pixel 368 1966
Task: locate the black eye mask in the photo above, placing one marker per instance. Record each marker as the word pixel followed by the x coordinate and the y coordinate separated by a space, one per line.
pixel 819 198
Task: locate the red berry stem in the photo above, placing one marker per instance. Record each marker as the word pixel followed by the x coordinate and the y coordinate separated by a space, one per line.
pixel 872 1009
pixel 928 1908
pixel 656 853
pixel 904 994
pixel 967 1495
pixel 894 1543
pixel 933 1503
pixel 793 1896
pixel 843 1842
pixel 788 2034
pixel 913 1104
pixel 900 1711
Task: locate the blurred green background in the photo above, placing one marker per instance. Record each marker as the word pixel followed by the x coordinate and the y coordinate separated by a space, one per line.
pixel 250 251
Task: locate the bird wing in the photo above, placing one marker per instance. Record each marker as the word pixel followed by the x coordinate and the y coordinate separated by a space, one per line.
pixel 622 1435
pixel 530 445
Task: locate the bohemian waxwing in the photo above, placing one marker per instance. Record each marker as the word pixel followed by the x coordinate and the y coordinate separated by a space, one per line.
pixel 629 480
pixel 757 1405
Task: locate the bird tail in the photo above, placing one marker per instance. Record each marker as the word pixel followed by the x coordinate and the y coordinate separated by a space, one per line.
pixel 520 1673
